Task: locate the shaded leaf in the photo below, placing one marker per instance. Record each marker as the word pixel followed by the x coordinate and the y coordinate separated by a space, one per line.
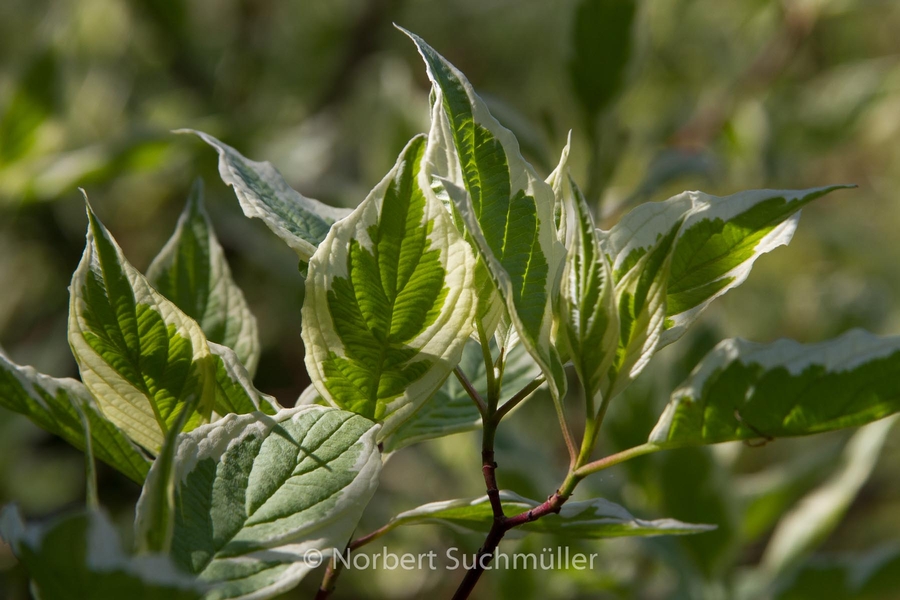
pixel 192 272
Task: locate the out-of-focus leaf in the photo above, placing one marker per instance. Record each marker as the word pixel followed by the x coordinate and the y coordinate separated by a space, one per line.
pixel 32 102
pixel 818 513
pixel 874 575
pixel 601 47
pixel 81 556
pixel 192 272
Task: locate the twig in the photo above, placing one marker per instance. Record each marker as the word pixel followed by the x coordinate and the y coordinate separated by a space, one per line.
pixel 614 459
pixel 471 391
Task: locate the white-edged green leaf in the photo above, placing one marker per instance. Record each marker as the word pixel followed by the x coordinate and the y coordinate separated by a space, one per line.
pixel 562 184
pixel 451 410
pixel 255 493
pixel 507 210
pixel 817 514
pixel 234 390
pixel 744 390
pixel 192 272
pixel 263 193
pixel 590 519
pixel 716 247
pixel 139 355
pixel 588 312
pixel 389 301
pixel 81 556
pixel 641 306
pixel 53 405
pixel 441 159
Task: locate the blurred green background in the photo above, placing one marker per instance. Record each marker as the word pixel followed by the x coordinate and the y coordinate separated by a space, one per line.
pixel 660 96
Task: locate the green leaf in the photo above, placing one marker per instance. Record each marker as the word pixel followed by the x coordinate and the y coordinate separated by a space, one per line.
pixel 263 193
pixel 191 271
pixel 744 390
pixel 720 239
pixel 590 519
pixel 590 318
pixel 874 575
pixel 601 47
pixel 31 103
pixel 389 300
pixel 507 210
pixel 255 493
pixel 819 513
pixel 451 410
pixel 139 355
pixel 81 556
pixel 53 405
pixel 234 390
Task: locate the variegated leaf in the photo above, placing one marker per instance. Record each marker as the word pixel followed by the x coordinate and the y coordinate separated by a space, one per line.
pixel 139 355
pixel 389 300
pixel 54 404
pixel 641 307
pixel 234 390
pixel 590 519
pixel 81 556
pixel 590 317
pixel 263 193
pixel 745 391
pixel 720 240
pixel 255 494
pixel 192 272
pixel 562 184
pixel 507 209
pixel 441 159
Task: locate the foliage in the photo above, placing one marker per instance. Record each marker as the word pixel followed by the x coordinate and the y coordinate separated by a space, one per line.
pixel 603 294
pixel 461 238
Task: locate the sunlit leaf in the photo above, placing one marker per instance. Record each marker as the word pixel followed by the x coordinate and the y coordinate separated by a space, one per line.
pixel 506 208
pixel 139 355
pixel 748 391
pixel 389 302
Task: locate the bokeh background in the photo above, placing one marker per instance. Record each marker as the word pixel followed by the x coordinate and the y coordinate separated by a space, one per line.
pixel 660 96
